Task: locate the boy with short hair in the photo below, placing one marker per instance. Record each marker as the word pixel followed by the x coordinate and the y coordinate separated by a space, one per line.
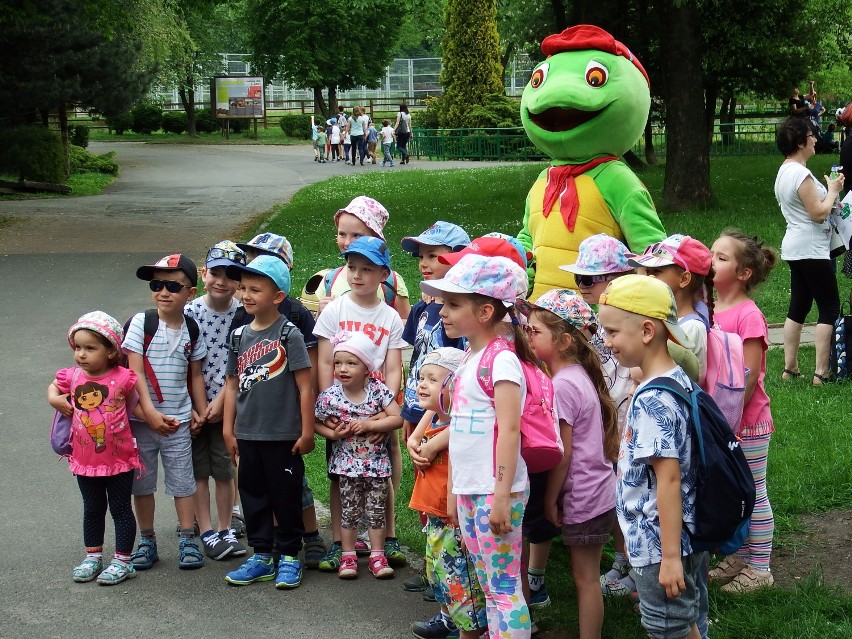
pixel 388 136
pixel 164 365
pixel 657 467
pixel 269 423
pixel 214 313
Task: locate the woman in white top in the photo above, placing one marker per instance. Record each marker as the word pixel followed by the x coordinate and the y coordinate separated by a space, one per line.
pixel 806 205
pixel 402 127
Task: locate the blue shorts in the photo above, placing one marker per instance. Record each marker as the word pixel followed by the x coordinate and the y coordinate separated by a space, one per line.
pixel 664 617
pixel 176 452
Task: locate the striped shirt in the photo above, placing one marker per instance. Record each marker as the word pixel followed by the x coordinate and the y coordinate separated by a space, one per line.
pixel 169 355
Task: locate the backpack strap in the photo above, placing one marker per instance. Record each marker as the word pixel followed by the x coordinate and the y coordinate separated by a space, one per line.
pixel 484 373
pixel 690 398
pixel 149 329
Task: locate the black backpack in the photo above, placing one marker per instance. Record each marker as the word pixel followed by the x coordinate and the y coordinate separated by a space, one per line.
pixel 152 323
pixel 725 492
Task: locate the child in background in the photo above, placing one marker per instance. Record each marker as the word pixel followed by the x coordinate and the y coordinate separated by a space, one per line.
pixel 347 145
pixel 685 264
pixel 365 412
pixel 448 564
pixel 268 423
pixel 372 139
pixel 741 263
pixel 170 356
pixel 388 136
pixel 214 313
pixel 488 486
pixel 103 451
pixel 657 470
pixel 322 146
pixel 423 328
pixel 362 310
pixel 315 139
pixel 600 259
pixel 580 491
pixel 334 139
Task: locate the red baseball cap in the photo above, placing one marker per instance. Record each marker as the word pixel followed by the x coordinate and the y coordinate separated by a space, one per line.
pixel 490 247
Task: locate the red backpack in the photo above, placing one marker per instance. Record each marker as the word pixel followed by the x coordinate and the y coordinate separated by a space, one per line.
pixel 541 443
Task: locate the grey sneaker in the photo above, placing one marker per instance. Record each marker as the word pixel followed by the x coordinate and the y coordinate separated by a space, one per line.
pixel 238 548
pixel 238 525
pixel 215 546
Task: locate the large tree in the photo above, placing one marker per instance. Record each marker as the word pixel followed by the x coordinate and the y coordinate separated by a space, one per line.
pixel 329 46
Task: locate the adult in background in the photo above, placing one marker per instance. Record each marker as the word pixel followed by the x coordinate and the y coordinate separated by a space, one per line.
pixel 402 128
pixel 806 205
pixel 358 123
pixel 798 106
pixel 846 162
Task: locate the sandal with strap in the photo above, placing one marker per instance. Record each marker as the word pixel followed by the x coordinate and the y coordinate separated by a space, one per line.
pixel 116 572
pixel 191 556
pixel 790 374
pixel 823 379
pixel 87 570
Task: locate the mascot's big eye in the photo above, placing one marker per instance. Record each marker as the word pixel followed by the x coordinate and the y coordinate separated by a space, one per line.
pixel 596 74
pixel 539 76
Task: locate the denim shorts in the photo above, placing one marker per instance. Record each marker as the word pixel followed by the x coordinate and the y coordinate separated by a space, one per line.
pixel 663 617
pixel 176 452
pixel 594 532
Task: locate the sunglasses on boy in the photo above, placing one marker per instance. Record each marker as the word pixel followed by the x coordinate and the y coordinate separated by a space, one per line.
pixel 170 285
pixel 226 254
pixel 591 280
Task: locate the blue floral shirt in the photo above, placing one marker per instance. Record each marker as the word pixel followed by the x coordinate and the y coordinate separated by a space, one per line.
pixel 657 427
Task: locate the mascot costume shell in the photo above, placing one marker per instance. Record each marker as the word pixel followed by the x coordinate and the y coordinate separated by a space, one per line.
pixel 585 105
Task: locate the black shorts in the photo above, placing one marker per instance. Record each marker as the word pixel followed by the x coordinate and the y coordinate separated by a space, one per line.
pixel 536 527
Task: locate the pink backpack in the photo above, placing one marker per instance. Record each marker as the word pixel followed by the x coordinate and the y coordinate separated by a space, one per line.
pixel 541 443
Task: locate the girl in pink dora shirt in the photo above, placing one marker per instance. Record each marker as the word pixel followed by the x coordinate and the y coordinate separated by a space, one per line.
pixel 580 495
pixel 103 455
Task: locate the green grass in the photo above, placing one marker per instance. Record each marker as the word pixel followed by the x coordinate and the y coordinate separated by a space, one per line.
pixel 272 135
pixel 809 464
pixel 80 183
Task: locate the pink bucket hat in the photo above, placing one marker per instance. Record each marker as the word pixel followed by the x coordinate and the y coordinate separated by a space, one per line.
pixel 600 255
pixel 359 345
pixel 565 304
pixel 100 323
pixel 497 277
pixel 369 211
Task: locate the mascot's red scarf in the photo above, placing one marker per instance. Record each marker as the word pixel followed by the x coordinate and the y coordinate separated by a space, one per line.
pixel 560 184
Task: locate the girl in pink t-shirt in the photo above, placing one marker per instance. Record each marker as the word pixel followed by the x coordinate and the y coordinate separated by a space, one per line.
pixel 741 263
pixel 580 495
pixel 104 457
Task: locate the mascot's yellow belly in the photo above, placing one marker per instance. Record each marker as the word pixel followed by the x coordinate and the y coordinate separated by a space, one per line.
pixel 553 244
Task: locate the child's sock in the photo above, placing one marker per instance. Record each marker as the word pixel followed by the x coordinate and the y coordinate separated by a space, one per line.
pixel 376 553
pixel 235 510
pixel 349 553
pixel 95 553
pixel 535 576
pixel 187 533
pixel 148 533
pixel 123 557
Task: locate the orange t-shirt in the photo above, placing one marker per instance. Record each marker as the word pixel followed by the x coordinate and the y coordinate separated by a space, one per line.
pixel 430 487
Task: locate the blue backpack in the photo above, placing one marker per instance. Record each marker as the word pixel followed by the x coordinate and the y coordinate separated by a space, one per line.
pixel 725 492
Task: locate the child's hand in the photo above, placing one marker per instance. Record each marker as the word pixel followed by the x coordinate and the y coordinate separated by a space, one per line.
pixel 377 438
pixel 197 423
pixel 428 452
pixel 452 509
pixel 361 427
pixel 500 519
pixel 671 577
pixel 551 512
pixel 61 403
pixel 231 447
pixel 163 424
pixel 216 408
pixel 304 445
pixel 343 429
pixel 419 462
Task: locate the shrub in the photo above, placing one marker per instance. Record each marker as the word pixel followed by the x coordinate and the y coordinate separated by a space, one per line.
pixel 496 110
pixel 238 126
pixel 297 125
pixel 33 153
pixel 205 122
pixel 78 135
pixel 175 122
pixel 82 161
pixel 119 123
pixel 147 118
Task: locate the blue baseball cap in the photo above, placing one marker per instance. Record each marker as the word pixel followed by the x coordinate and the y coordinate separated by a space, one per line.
pixel 224 253
pixel 373 248
pixel 439 234
pixel 266 265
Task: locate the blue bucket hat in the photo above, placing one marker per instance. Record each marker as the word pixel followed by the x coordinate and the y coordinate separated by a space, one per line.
pixel 265 265
pixel 439 234
pixel 373 248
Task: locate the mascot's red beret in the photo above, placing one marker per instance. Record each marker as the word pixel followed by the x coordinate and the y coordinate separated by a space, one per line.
pixel 588 36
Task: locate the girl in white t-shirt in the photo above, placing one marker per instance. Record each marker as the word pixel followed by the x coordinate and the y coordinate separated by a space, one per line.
pixel 488 486
pixel 580 494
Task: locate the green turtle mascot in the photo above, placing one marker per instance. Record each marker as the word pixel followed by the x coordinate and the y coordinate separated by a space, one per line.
pixel 585 105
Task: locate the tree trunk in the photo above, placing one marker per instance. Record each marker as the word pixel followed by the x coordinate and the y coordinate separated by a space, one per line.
pixel 687 181
pixel 63 132
pixel 319 104
pixel 332 99
pixel 505 59
pixel 650 155
pixel 727 116
pixel 187 100
pixel 711 94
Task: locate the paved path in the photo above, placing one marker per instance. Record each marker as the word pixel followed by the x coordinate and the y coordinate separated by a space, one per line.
pixel 60 258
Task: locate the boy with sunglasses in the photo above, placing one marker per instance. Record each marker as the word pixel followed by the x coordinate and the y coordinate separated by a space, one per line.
pixel 171 366
pixel 215 312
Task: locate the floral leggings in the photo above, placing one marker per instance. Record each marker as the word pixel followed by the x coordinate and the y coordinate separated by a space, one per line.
pixel 498 563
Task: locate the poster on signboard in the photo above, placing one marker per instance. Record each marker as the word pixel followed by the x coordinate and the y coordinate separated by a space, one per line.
pixel 238 97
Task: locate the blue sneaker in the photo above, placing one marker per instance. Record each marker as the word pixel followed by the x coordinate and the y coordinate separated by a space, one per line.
pixel 255 569
pixel 145 555
pixel 289 573
pixel 539 598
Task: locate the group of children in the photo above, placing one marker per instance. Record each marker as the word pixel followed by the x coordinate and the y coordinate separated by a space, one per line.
pixel 344 136
pixel 227 391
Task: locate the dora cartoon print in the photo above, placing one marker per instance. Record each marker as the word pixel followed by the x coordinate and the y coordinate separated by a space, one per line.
pixel 90 398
